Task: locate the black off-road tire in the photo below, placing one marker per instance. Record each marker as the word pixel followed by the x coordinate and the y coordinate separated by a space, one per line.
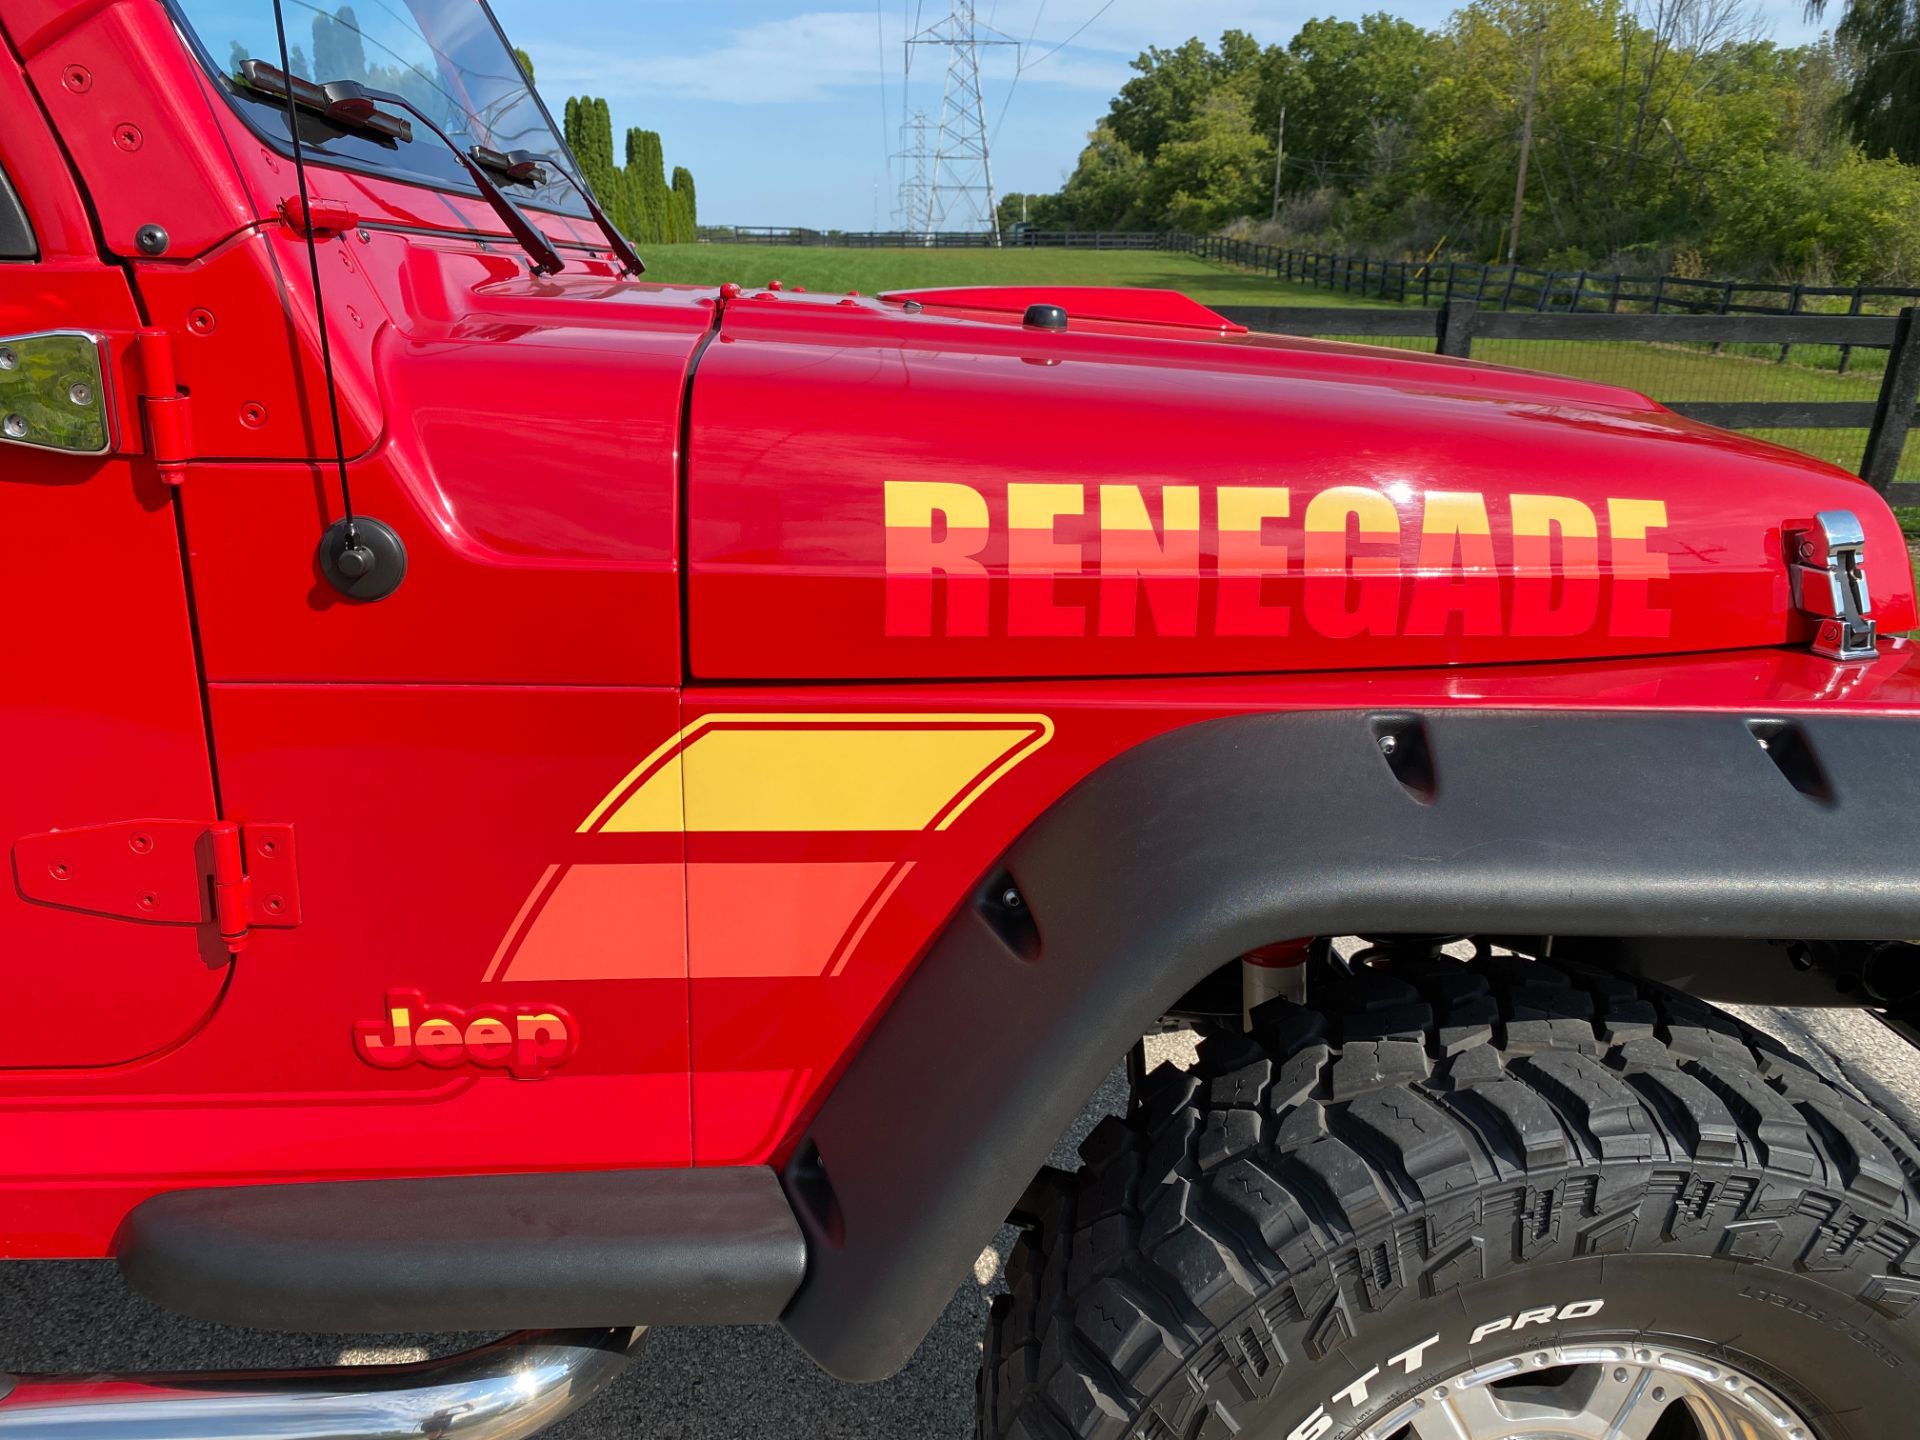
pixel 1433 1150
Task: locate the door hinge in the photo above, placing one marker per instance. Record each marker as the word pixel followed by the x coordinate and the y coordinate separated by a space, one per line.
pixel 164 407
pixel 1827 571
pixel 238 878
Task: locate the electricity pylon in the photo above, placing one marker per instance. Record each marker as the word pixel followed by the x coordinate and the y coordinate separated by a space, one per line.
pixel 911 209
pixel 960 179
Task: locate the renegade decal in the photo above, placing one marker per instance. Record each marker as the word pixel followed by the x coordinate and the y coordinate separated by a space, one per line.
pixel 756 779
pixel 1353 564
pixel 524 1041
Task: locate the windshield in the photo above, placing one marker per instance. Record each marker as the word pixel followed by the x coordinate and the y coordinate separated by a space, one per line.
pixel 446 56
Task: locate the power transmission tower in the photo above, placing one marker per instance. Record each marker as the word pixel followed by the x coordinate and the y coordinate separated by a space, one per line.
pixel 960 178
pixel 915 157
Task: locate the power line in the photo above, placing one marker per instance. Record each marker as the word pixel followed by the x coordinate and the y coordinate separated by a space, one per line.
pixel 1073 37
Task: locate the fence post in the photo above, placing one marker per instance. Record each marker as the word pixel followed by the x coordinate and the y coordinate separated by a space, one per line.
pixel 1893 411
pixel 1456 328
pixel 1846 351
pixel 1793 308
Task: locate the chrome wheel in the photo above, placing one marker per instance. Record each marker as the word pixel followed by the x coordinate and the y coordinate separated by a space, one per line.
pixel 1596 1392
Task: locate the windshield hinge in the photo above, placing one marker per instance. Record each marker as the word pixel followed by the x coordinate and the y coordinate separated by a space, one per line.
pixel 169 437
pixel 1827 565
pixel 322 218
pixel 236 878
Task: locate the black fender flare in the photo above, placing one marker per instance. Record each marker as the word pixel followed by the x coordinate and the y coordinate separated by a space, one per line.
pixel 1224 835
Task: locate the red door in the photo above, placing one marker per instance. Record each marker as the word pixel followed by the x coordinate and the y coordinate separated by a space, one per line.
pixel 100 704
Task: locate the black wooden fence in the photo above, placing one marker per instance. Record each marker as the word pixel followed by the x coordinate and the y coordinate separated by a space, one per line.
pixel 1523 287
pixel 1455 326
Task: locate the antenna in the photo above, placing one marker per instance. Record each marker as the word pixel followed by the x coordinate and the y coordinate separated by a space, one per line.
pixel 360 557
pixel 960 178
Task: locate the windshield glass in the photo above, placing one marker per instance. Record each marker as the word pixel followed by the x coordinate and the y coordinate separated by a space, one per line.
pixel 446 56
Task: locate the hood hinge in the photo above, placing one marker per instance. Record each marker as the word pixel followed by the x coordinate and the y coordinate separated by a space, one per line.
pixel 1827 565
pixel 167 872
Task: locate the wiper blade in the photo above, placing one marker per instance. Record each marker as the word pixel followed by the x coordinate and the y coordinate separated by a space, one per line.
pixel 358 107
pixel 528 168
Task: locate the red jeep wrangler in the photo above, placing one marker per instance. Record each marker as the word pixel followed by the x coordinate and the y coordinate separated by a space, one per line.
pixel 544 800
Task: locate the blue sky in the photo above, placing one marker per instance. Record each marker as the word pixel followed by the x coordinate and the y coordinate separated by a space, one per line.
pixel 787 112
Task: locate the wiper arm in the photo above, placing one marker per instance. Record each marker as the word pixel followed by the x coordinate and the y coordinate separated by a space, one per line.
pixel 530 168
pixel 357 107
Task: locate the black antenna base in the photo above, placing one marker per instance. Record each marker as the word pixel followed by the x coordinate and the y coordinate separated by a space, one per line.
pixel 363 558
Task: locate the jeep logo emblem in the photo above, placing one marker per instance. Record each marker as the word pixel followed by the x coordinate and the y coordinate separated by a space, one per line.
pixel 525 1041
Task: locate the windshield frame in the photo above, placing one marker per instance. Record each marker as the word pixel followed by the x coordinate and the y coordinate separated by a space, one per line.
pixel 242 102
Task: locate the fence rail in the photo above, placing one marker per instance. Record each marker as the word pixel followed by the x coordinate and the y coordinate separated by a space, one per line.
pixel 1455 327
pixel 1523 287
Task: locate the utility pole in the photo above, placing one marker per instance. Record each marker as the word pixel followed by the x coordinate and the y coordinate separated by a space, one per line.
pixel 961 178
pixel 1279 160
pixel 1526 142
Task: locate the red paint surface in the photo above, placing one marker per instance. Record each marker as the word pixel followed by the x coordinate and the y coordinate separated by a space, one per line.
pixel 450 758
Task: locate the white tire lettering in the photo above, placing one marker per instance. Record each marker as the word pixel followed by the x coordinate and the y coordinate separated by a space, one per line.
pixel 1409 1360
pixel 1542 1316
pixel 1583 1310
pixel 1492 1327
pixel 1356 1393
pixel 1314 1426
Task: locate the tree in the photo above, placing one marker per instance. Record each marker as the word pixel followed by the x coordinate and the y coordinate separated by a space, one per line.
pixel 688 209
pixel 636 195
pixel 1882 101
pixel 526 64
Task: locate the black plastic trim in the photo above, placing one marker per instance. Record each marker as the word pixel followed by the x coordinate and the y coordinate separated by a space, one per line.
pixel 17 240
pixel 1219 837
pixel 488 1252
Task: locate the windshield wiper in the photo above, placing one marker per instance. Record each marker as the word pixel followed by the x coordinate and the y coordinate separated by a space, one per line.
pixel 357 107
pixel 528 168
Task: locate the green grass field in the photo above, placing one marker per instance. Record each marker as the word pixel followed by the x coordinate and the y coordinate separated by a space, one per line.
pixel 873 271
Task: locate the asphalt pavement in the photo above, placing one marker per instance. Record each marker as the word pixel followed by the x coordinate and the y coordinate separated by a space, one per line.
pixel 705 1384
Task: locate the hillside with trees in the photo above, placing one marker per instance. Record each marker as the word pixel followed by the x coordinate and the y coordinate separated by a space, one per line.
pixel 1668 136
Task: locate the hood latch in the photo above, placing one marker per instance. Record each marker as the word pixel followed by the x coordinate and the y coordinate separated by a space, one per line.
pixel 1826 563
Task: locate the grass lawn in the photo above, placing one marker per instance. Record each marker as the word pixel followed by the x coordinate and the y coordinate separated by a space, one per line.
pixel 873 271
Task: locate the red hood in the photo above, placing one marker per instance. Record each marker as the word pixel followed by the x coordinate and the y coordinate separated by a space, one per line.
pixel 878 492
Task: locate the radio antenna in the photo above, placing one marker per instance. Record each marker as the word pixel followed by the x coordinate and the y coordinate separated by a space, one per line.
pixel 354 567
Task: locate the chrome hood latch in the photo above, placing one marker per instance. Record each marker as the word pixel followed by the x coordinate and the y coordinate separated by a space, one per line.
pixel 1826 563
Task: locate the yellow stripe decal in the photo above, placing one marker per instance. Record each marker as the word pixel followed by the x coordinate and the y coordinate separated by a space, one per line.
pixel 788 773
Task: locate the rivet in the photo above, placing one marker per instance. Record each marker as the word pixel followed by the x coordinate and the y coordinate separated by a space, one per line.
pixel 1542 1360
pixel 128 137
pixel 1439 1392
pixel 201 321
pixel 1620 1375
pixel 267 847
pixel 275 904
pixel 60 870
pixel 1389 744
pixel 80 394
pixel 8 360
pixel 148 900
pixel 77 78
pixel 151 240
pixel 1010 898
pixel 14 426
pixel 364 237
pixel 140 844
pixel 253 415
pixel 1659 1393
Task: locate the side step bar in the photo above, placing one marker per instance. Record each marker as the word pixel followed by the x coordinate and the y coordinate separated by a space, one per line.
pixel 473 1252
pixel 506 1391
